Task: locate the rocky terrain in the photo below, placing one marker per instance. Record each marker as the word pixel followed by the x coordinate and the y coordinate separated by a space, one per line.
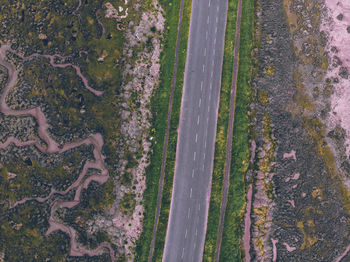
pixel 300 200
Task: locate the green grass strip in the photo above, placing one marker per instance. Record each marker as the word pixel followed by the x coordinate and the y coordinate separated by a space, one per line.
pixel 159 107
pixel 231 249
pixel 171 153
pixel 221 135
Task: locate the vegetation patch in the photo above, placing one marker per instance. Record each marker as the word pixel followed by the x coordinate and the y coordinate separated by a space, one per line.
pixel 160 103
pixel 221 135
pixel 231 249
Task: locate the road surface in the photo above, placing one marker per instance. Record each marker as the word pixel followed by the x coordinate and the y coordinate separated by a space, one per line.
pixel 196 142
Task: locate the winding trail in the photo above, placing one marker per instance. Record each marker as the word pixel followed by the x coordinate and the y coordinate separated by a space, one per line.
pixel 100 23
pixel 229 133
pixel 52 148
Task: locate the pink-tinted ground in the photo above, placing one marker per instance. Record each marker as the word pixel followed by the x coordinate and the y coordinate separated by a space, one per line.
pixel 336 30
pixel 247 224
pixel 52 148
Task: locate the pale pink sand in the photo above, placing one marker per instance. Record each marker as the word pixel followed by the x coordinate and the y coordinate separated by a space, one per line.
pixel 296 176
pixel 339 38
pixel 274 249
pixel 288 247
pixel 292 154
pixel 291 202
pixel 338 259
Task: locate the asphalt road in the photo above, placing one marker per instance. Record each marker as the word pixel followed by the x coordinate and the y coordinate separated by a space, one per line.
pixel 196 142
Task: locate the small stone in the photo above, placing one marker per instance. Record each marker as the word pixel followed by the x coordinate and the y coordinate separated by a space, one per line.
pixel 343 72
pixel 340 17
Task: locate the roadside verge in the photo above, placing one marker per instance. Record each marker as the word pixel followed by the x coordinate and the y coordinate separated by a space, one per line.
pixel 231 245
pixel 157 196
pixel 232 248
pixel 221 135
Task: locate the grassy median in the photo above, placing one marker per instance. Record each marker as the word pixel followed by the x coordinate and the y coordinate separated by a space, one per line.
pixel 221 134
pixel 232 233
pixel 231 249
pixel 160 103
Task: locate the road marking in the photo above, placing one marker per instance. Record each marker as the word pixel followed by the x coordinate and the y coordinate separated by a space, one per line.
pixel 209 96
pixel 186 233
pixel 214 52
pixel 211 75
pixel 182 255
pixel 217 9
pixel 200 101
pixel 206 35
pixel 204 156
pixel 191 193
pixel 216 22
pixel 194 156
pixel 207 120
pixel 201 85
pixel 198 120
pixel 199 207
pixel 216 29
pixel 209 3
pixel 205 51
pixel 192 173
pixel 205 143
pixel 212 63
pixel 215 41
pixel 188 213
pixel 196 137
pixel 196 231
pixel 208 109
pixel 194 246
pixel 211 86
pixel 208 20
pixel 203 68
